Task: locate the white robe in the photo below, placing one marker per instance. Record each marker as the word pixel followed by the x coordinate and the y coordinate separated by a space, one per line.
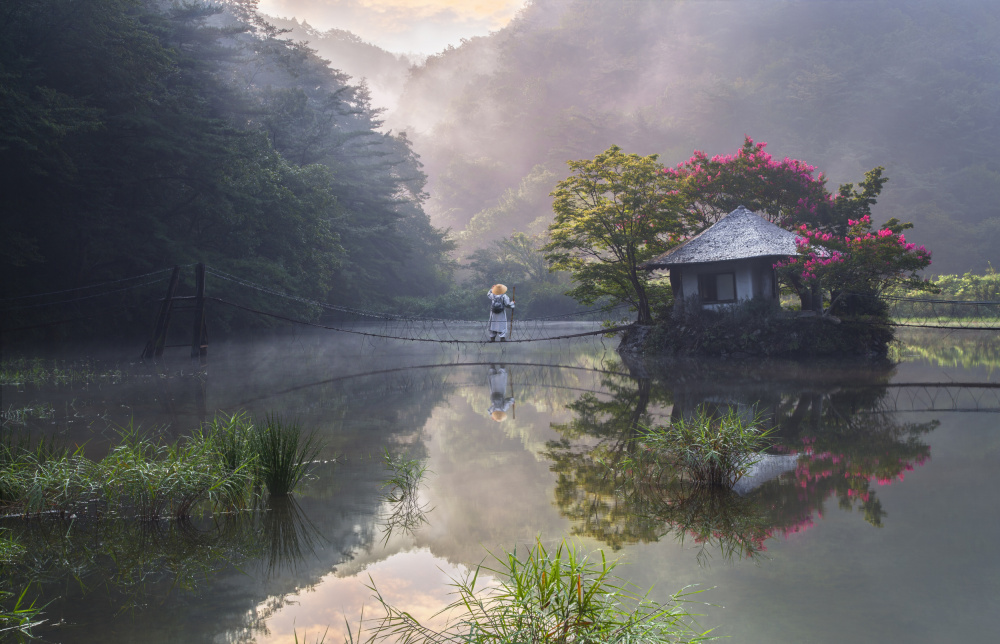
pixel 498 321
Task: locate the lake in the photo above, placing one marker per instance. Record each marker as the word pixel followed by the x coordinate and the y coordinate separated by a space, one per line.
pixel 875 523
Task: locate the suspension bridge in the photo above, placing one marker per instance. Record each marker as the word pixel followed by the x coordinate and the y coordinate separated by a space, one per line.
pixel 120 297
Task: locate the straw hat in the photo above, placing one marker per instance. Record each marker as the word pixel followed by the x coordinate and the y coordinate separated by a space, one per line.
pixel 498 289
pixel 498 415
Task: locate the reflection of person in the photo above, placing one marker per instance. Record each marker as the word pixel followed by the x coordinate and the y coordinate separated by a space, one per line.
pixel 499 303
pixel 499 401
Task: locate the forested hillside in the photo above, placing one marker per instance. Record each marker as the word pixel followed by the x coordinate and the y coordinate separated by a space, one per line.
pixel 139 134
pixel 384 73
pixel 846 86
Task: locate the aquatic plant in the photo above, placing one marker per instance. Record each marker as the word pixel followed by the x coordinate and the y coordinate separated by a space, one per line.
pixel 283 454
pixel 37 372
pixel 225 463
pixel 710 450
pixel 22 415
pixel 402 494
pixel 229 438
pixel 19 619
pixel 284 535
pixel 149 480
pixel 318 640
pixel 558 597
pixel 10 549
pixel 129 562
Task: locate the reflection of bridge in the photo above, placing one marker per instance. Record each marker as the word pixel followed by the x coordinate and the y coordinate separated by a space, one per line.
pixel 983 397
pixel 900 396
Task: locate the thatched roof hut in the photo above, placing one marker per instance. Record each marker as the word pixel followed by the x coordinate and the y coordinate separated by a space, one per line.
pixel 732 260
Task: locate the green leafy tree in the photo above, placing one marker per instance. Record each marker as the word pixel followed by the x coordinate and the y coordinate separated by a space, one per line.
pixel 613 213
pixel 512 259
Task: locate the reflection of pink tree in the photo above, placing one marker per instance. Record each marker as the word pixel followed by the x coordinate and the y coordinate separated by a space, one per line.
pixel 848 469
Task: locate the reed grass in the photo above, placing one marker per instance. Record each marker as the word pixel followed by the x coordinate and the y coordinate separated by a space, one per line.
pixel 283 454
pixel 224 465
pixel 546 597
pixel 149 480
pixel 10 549
pixel 23 415
pixel 229 439
pixel 710 450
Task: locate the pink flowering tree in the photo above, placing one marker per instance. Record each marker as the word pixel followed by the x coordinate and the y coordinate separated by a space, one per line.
pixel 857 268
pixel 785 192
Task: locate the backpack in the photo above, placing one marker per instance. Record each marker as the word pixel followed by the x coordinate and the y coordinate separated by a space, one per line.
pixel 497 306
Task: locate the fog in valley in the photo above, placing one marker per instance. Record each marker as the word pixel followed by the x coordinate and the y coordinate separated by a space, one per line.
pixel 844 86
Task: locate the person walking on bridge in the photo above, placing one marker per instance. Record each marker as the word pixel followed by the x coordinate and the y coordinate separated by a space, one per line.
pixel 499 303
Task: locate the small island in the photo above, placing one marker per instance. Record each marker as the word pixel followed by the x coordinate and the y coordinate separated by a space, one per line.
pixel 735 255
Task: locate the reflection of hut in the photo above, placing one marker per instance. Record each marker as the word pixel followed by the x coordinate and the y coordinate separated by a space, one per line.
pixel 768 467
pixel 730 261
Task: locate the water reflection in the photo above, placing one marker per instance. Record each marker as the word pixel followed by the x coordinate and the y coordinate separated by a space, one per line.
pixel 500 402
pixel 966 349
pixel 550 469
pixel 403 512
pixel 124 566
pixel 833 437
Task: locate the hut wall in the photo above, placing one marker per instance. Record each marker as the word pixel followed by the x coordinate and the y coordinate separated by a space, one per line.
pixel 750 278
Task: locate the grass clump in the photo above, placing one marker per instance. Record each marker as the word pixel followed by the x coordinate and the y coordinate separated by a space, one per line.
pixel 23 415
pixel 547 597
pixel 710 450
pixel 149 480
pixel 227 464
pixel 282 454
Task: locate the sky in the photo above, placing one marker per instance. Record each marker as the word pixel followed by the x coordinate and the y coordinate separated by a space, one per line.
pixel 422 27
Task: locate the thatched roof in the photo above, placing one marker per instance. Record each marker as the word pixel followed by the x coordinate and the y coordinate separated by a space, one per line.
pixel 742 234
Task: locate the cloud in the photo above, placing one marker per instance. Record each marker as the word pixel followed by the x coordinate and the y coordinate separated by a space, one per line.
pixel 419 26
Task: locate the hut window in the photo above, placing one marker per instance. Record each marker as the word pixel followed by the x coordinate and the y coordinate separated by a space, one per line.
pixel 717 287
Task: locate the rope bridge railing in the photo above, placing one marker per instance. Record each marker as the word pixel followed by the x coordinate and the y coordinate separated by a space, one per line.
pixel 112 297
pixel 931 313
pixel 396 326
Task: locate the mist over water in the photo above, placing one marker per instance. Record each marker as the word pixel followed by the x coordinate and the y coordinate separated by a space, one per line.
pixel 890 468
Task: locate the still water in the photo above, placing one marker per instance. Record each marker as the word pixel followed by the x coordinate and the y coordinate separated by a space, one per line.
pixel 877 522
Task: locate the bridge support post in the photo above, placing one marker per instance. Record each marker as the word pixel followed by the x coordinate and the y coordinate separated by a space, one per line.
pixel 199 333
pixel 154 348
